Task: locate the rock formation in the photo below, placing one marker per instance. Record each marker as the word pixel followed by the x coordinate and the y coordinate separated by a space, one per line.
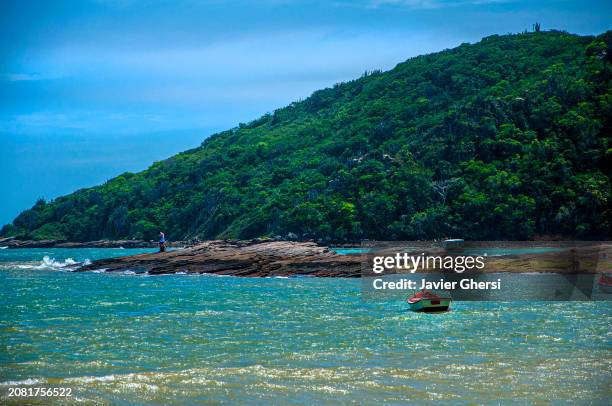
pixel 254 258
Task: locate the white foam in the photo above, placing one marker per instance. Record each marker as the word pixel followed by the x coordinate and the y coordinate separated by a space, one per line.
pixel 28 381
pixel 89 379
pixel 3 248
pixel 51 264
pixel 140 386
pixel 215 275
pixel 208 313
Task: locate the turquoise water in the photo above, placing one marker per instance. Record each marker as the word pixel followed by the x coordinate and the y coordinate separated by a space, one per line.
pixel 179 339
pixel 350 251
pixel 510 251
pixel 472 251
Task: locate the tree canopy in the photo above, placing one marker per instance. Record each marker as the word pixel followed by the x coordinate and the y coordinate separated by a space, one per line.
pixel 503 139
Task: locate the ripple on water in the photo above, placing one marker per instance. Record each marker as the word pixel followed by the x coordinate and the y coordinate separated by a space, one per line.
pixel 274 341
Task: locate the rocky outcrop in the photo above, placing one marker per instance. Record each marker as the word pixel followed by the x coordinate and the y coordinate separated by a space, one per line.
pixel 11 242
pixel 254 258
pixel 15 243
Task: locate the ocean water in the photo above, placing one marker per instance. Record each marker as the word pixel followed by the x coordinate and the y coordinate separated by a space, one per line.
pixel 182 339
pixel 350 251
pixel 473 251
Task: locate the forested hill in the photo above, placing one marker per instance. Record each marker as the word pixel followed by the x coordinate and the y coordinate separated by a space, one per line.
pixel 504 139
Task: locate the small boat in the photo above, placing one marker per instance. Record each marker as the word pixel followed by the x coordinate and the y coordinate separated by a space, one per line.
pixel 605 283
pixel 453 243
pixel 426 301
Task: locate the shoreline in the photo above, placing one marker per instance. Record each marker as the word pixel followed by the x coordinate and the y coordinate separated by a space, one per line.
pixel 267 258
pixel 13 243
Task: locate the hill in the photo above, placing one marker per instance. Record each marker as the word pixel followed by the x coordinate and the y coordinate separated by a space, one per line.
pixel 503 139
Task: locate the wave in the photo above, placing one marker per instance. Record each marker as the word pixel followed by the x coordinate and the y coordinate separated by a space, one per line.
pixel 28 381
pixel 3 248
pixel 51 264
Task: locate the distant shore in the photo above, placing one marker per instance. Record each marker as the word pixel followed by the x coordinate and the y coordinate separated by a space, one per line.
pixel 13 243
pixel 267 257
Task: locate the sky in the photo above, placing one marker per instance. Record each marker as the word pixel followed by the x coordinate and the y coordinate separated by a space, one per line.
pixel 90 89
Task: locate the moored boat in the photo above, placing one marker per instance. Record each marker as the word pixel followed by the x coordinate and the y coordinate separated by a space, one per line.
pixel 426 301
pixel 453 244
pixel 605 283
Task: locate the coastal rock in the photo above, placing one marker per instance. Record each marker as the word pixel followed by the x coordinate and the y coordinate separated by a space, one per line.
pixel 253 258
pixel 15 243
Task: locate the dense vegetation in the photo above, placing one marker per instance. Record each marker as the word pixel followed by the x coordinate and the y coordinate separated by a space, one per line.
pixel 504 139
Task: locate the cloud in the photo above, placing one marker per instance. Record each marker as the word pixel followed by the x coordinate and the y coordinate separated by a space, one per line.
pixel 210 80
pixel 79 121
pixel 188 63
pixel 421 4
pixel 25 77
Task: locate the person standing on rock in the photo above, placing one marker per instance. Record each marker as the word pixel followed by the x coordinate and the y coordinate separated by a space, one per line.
pixel 162 242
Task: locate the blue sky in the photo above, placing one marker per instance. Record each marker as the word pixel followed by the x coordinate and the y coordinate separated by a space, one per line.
pixel 90 89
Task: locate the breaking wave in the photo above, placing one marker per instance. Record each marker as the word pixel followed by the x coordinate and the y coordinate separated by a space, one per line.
pixel 51 264
pixel 28 381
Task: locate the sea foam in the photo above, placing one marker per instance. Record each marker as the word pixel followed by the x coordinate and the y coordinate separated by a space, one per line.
pixel 51 264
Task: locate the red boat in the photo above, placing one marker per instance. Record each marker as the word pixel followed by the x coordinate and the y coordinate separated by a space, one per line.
pixel 426 301
pixel 605 283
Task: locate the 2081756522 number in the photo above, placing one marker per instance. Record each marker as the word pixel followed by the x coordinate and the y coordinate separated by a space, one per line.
pixel 33 392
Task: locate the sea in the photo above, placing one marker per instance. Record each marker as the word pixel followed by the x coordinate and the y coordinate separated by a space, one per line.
pixel 121 338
